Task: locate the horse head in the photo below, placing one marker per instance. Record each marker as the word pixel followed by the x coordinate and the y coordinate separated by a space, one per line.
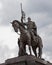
pixel 15 25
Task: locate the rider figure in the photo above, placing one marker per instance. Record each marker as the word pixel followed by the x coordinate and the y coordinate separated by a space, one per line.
pixel 31 27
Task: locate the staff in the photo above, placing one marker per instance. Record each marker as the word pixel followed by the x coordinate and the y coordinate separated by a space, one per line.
pixel 22 14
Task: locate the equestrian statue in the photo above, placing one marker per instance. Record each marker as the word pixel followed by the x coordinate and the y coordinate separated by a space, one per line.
pixel 28 36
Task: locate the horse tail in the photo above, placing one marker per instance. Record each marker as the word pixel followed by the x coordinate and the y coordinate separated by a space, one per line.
pixel 40 41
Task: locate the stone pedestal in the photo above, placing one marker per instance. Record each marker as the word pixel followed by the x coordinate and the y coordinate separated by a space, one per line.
pixel 26 60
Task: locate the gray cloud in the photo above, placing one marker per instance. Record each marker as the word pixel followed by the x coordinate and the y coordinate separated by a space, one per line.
pixel 10 11
pixel 6 52
pixel 41 6
pixel 47 40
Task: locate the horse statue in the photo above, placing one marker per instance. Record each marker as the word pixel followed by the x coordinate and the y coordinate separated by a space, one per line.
pixel 25 39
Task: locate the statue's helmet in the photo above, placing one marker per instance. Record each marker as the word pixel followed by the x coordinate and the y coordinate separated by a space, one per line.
pixel 29 18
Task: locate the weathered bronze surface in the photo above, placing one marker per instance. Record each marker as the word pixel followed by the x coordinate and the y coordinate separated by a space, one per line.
pixel 26 39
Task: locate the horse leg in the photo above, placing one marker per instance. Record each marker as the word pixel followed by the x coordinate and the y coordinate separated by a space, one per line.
pixel 29 43
pixel 18 42
pixel 19 53
pixel 20 47
pixel 34 50
pixel 22 50
pixel 40 46
pixel 40 52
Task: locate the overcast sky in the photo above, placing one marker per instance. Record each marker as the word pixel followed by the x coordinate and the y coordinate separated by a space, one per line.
pixel 40 11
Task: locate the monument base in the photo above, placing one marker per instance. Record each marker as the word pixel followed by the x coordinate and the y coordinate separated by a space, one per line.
pixel 26 60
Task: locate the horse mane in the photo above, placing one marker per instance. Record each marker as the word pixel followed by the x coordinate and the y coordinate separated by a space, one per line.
pixel 19 23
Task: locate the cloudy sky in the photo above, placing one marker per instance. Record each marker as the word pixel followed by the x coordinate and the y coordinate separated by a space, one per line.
pixel 40 11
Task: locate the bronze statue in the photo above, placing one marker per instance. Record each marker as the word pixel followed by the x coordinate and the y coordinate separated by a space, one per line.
pixel 28 36
pixel 26 39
